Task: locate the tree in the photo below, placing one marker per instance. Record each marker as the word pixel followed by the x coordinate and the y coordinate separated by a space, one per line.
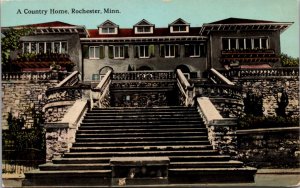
pixel 288 61
pixel 11 42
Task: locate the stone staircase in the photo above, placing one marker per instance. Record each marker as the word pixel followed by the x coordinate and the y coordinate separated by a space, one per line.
pixel 174 132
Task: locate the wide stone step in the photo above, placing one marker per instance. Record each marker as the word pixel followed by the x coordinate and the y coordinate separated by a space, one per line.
pixel 141 123
pixel 145 113
pixel 140 134
pixel 133 143
pixel 144 109
pixel 211 175
pixel 210 164
pixel 68 173
pixel 140 153
pixel 95 126
pixel 139 116
pixel 199 157
pixel 100 131
pixel 141 148
pixel 90 166
pixel 85 160
pixel 138 119
pixel 142 139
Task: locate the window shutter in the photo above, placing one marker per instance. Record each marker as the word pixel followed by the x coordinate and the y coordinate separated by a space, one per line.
pixel 126 52
pixel 177 48
pixel 162 50
pixel 85 51
pixel 102 52
pixel 136 51
pixel 111 52
pixel 186 50
pixel 151 50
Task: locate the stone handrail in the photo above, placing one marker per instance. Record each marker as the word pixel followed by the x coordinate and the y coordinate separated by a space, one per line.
pixel 61 135
pixel 185 89
pixel 143 75
pixel 217 90
pixel 100 95
pixel 221 131
pixel 66 93
pixel 217 77
pixel 269 72
pixel 33 75
pixel 70 80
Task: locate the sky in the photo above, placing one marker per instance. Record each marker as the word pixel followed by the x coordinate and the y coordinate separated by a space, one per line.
pixel 159 12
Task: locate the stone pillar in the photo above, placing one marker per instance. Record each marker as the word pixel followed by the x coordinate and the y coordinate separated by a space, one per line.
pixel 222 136
pixel 59 139
pixel 61 135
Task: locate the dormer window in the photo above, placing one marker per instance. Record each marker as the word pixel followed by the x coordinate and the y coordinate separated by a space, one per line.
pixel 179 26
pixel 108 27
pixel 143 27
pixel 108 30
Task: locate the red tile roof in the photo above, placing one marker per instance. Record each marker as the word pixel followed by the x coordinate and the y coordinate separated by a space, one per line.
pixel 262 66
pixel 127 32
pixel 48 24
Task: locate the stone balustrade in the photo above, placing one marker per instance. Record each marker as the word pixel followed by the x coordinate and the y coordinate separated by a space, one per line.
pixel 217 90
pixel 218 78
pixel 34 75
pixel 144 75
pixel 61 135
pixel 61 97
pixel 100 95
pixel 221 131
pixel 186 94
pixel 70 80
pixel 257 73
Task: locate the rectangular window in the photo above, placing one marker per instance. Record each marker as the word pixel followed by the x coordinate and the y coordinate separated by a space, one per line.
pixel 232 44
pixel 143 51
pixel 248 44
pixel 33 47
pixel 202 50
pixel 256 44
pixel 26 48
pixel 143 29
pixel 241 43
pixel 118 52
pixel 264 43
pixel 41 47
pixel 180 28
pixel 56 48
pixel 108 30
pixel 225 44
pixel 94 52
pixel 64 48
pixel 170 50
pixel 48 47
pixel 194 50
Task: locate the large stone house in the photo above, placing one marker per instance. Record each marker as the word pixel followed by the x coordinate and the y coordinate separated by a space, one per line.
pixel 224 44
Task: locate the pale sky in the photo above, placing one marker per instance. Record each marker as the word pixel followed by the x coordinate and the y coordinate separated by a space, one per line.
pixel 160 13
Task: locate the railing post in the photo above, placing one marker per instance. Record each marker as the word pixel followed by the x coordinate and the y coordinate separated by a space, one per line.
pixel 221 131
pixel 185 88
pixel 101 95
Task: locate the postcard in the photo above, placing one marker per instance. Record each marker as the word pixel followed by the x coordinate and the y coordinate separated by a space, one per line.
pixel 150 93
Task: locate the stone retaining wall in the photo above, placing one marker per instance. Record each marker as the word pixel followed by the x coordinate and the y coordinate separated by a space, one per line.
pixel 269 88
pixel 272 147
pixel 19 96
